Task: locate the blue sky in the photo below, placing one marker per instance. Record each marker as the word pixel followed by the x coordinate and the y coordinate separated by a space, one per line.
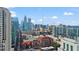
pixel 48 15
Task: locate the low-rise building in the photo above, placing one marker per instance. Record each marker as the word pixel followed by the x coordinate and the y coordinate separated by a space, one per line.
pixel 70 45
pixel 43 41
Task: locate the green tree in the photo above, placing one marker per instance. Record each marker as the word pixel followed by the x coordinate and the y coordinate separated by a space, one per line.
pixel 56 45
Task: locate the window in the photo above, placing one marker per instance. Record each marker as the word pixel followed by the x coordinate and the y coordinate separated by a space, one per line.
pixel 64 45
pixel 3 41
pixel 46 42
pixel 67 47
pixel 0 29
pixel 71 48
pixel 0 14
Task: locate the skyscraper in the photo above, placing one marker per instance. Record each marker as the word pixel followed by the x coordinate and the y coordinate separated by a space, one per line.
pixel 5 29
pixel 30 25
pixel 29 20
pixel 19 40
pixel 24 24
pixel 27 25
pixel 15 27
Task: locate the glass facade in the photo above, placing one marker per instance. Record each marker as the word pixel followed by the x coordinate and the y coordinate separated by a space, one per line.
pixel 15 27
pixel 27 25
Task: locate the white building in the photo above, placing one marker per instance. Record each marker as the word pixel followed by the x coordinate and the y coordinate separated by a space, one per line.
pixel 5 29
pixel 70 45
pixel 69 39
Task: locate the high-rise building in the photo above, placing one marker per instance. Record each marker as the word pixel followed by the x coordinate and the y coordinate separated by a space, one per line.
pixel 15 27
pixel 29 20
pixel 59 30
pixel 69 36
pixel 66 31
pixel 30 25
pixel 24 24
pixel 19 40
pixel 27 25
pixel 5 29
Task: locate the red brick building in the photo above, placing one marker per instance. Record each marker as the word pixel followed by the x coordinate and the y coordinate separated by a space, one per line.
pixel 27 44
pixel 42 41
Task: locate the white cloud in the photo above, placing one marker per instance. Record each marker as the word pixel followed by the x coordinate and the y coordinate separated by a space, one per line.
pixel 33 21
pixel 54 17
pixel 65 13
pixel 13 14
pixel 68 13
pixel 40 20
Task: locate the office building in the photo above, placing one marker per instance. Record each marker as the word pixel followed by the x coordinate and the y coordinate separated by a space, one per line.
pixel 15 28
pixel 30 25
pixel 19 40
pixel 70 36
pixel 5 29
pixel 24 24
pixel 58 30
pixel 27 25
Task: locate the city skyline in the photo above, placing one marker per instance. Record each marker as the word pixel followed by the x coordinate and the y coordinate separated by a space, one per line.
pixel 38 37
pixel 48 15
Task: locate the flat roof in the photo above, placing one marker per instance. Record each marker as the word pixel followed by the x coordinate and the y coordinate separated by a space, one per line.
pixel 47 48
